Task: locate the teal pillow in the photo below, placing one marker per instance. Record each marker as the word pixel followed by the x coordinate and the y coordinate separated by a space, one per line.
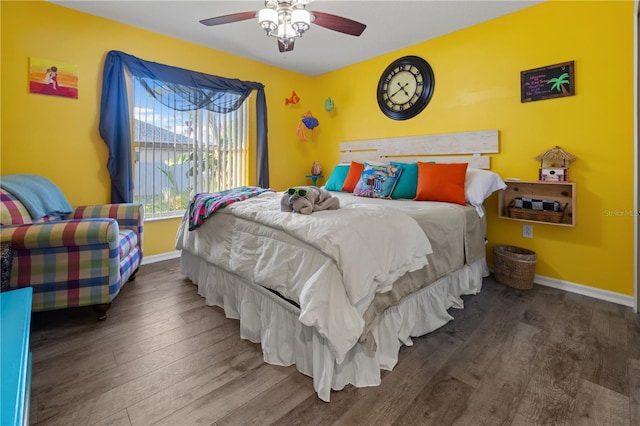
pixel 378 180
pixel 407 184
pixel 338 175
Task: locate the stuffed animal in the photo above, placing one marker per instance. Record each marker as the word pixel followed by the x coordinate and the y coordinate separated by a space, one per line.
pixel 307 199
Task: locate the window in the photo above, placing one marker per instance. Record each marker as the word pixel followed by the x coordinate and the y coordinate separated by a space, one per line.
pixel 180 153
pixel 212 137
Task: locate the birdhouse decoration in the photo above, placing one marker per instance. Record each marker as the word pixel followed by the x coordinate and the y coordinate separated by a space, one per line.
pixel 554 165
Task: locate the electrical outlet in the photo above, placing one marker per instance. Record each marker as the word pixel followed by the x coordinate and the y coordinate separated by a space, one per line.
pixel 527 231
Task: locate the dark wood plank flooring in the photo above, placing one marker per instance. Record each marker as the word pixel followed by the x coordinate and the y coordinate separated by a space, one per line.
pixel 509 358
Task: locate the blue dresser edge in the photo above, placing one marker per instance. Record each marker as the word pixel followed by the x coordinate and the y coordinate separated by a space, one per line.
pixel 15 363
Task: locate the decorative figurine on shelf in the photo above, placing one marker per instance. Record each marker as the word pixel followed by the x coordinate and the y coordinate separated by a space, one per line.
pixel 316 170
pixel 554 165
pixel 308 122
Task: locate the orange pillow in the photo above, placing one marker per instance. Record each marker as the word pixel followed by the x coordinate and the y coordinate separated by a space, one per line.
pixel 441 182
pixel 355 171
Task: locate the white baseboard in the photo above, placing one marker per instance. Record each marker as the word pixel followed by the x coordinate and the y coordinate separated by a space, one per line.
pixel 585 290
pixel 160 257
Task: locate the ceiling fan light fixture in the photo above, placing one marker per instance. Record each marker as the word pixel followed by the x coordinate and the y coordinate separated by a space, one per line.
pixel 300 20
pixel 286 32
pixel 288 19
pixel 268 20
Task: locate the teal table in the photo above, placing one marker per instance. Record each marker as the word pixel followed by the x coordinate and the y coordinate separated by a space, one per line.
pixel 15 363
pixel 314 178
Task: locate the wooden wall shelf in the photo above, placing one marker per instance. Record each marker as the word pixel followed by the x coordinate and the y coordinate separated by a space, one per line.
pixel 563 192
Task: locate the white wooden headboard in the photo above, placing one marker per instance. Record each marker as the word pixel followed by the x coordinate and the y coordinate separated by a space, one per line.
pixel 465 147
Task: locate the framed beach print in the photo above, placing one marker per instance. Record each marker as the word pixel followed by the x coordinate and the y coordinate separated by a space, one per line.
pixel 52 77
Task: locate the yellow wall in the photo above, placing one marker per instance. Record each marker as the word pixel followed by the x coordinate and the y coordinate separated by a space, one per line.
pixel 58 137
pixel 476 87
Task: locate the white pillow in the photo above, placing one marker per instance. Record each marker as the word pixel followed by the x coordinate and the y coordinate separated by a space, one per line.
pixel 479 185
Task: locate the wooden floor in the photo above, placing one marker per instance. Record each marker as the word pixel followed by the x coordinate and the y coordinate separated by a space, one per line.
pixel 509 358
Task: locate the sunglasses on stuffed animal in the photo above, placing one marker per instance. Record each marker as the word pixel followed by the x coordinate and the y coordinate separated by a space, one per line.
pixel 300 191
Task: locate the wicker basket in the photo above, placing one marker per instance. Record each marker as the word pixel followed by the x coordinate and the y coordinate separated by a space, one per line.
pixel 537 215
pixel 514 266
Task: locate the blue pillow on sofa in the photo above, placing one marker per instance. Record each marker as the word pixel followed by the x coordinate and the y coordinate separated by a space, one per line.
pixel 338 175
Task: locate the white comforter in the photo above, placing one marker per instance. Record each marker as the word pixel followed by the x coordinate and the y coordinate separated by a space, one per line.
pixel 331 262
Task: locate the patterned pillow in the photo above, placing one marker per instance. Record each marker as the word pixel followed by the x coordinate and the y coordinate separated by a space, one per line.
pixel 13 212
pixel 378 180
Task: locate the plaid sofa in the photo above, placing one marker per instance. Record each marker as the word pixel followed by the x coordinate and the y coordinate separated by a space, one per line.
pixel 80 259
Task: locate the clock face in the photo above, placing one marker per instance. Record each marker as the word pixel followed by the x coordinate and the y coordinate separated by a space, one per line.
pixel 405 87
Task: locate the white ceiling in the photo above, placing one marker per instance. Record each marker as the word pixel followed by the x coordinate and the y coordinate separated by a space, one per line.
pixel 391 25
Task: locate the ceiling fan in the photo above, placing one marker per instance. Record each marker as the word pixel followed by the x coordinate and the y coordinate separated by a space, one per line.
pixel 288 19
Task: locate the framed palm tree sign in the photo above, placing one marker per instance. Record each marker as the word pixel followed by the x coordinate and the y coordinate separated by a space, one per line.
pixel 552 81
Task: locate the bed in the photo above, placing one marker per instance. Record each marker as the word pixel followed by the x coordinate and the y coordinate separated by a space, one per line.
pixel 337 293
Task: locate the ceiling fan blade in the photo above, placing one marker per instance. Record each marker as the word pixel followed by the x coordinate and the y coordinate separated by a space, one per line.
pixel 227 19
pixel 283 48
pixel 338 23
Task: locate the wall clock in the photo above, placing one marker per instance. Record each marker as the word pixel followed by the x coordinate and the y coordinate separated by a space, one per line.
pixel 405 87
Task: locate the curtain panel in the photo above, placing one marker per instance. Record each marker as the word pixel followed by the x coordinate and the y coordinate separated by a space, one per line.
pixel 181 89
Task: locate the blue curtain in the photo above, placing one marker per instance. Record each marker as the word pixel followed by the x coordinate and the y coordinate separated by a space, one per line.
pixel 176 88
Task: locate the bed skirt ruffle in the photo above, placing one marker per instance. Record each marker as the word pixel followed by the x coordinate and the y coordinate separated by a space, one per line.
pixel 273 322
